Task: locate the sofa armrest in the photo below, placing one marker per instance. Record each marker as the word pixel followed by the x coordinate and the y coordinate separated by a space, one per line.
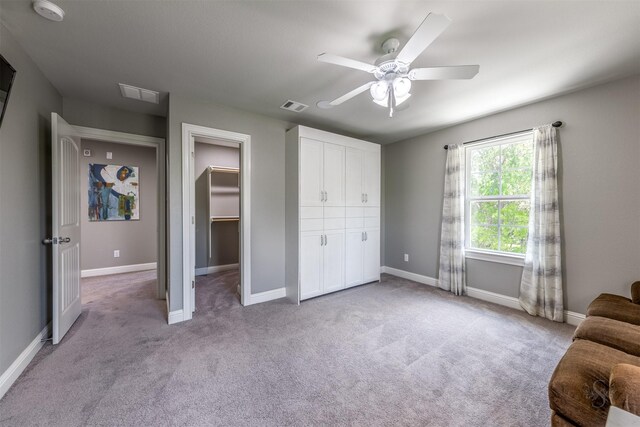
pixel 635 292
pixel 624 387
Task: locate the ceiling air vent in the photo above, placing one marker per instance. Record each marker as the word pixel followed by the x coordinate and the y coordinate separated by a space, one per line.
pixel 294 106
pixel 139 93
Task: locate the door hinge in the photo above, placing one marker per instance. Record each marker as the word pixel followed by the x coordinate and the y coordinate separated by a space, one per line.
pixel 193 284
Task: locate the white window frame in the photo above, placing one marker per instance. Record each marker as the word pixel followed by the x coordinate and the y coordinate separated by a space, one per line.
pixel 487 254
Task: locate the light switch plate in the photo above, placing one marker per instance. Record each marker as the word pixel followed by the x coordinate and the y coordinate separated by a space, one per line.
pixel 109 155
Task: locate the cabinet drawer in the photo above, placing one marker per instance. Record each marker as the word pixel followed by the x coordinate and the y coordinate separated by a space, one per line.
pixel 372 212
pixel 355 222
pixel 372 222
pixel 333 212
pixel 311 224
pixel 334 223
pixel 311 212
pixel 352 212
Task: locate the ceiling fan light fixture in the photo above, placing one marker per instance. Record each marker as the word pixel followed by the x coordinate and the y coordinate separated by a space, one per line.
pixel 401 87
pixel 380 92
pixel 401 99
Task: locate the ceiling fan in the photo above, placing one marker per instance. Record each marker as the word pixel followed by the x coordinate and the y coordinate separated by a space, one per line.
pixel 392 70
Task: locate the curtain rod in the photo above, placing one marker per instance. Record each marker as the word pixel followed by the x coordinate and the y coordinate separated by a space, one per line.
pixel 555 125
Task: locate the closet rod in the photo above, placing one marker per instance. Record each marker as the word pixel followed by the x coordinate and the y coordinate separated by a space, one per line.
pixel 555 125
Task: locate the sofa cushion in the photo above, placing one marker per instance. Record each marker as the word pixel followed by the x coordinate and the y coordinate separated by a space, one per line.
pixel 622 336
pixel 615 307
pixel 579 386
pixel 624 388
pixel 635 293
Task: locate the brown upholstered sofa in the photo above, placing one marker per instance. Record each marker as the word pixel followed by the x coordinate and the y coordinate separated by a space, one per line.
pixel 602 365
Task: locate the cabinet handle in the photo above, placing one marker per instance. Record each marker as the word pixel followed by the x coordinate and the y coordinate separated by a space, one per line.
pixel 321 240
pixel 366 236
pixel 366 197
pixel 325 240
pixel 362 236
pixel 326 196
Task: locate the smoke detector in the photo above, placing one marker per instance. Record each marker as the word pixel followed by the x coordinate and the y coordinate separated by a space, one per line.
pixel 139 93
pixel 48 10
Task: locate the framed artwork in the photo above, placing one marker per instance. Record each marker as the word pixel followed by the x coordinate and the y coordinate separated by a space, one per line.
pixel 113 193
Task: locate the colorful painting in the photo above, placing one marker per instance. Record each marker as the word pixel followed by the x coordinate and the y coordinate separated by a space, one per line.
pixel 113 193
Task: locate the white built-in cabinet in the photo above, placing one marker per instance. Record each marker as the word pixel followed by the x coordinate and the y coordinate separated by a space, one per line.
pixel 332 213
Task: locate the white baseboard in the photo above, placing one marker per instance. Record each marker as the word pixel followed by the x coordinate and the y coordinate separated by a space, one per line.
pixel 119 269
pixel 426 280
pixel 215 269
pixel 495 298
pixel 267 296
pixel 19 365
pixel 573 318
pixel 570 317
pixel 176 317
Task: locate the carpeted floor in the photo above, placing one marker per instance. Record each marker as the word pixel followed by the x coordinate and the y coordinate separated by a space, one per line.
pixel 393 353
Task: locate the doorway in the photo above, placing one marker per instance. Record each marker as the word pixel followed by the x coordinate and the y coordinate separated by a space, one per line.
pixel 217 238
pixel 216 224
pixel 129 238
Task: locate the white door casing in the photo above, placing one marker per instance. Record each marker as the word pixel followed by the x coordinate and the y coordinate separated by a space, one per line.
pixel 65 167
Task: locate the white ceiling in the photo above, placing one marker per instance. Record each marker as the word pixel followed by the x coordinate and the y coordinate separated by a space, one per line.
pixel 254 55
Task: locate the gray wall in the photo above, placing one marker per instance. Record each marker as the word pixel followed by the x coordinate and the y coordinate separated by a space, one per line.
pixel 136 240
pixel 225 237
pixel 599 182
pixel 267 189
pixel 25 204
pixel 84 113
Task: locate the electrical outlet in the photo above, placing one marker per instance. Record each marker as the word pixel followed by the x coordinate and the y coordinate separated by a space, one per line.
pixel 406 257
pixel 116 253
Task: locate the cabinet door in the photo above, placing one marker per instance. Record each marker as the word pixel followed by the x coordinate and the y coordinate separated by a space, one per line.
pixel 354 250
pixel 311 249
pixel 333 174
pixel 354 171
pixel 310 172
pixel 333 261
pixel 371 255
pixel 372 178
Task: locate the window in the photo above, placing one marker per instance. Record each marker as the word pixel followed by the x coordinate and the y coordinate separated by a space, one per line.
pixel 498 174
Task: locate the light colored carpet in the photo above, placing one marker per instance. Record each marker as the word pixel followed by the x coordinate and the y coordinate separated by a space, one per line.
pixel 393 353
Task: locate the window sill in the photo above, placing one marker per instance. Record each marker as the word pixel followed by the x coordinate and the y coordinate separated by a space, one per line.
pixel 517 260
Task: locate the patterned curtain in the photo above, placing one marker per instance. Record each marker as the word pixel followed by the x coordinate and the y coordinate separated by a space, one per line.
pixel 541 284
pixel 451 273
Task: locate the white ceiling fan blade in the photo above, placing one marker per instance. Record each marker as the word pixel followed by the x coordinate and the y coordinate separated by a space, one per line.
pixel 345 97
pixel 432 26
pixel 444 73
pixel 346 62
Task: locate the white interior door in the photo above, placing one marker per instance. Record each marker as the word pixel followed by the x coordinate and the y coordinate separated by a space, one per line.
pixel 333 262
pixel 372 178
pixel 65 166
pixel 311 246
pixel 354 250
pixel 311 173
pixel 354 192
pixel 371 270
pixel 333 179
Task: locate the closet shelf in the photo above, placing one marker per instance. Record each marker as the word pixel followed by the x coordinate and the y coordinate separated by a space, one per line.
pixel 223 169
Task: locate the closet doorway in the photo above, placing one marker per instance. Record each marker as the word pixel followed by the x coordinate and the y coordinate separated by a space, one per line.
pixel 217 198
pixel 216 217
